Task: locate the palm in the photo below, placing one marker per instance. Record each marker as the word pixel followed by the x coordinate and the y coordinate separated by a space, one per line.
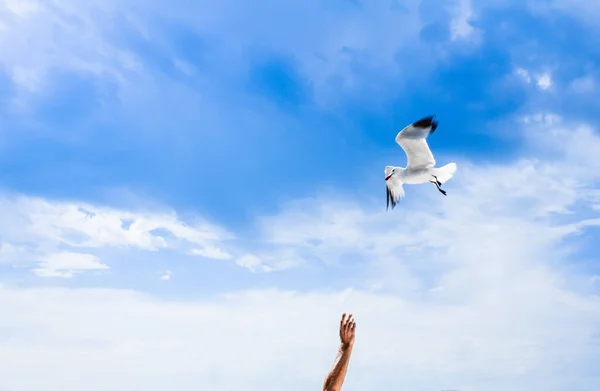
pixel 347 328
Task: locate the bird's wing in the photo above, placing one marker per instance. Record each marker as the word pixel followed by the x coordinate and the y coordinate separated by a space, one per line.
pixel 394 190
pixel 413 140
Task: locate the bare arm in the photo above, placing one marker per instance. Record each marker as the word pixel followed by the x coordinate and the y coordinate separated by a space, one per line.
pixel 335 378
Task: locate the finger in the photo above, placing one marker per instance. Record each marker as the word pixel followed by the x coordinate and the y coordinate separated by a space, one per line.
pixel 347 326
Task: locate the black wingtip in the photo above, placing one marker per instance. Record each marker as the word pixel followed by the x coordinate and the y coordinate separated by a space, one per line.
pixel 426 122
pixel 387 193
pixel 390 199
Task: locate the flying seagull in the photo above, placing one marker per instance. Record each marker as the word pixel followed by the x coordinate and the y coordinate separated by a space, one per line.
pixel 420 164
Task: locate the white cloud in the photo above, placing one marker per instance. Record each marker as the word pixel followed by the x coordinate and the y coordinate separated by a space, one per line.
pixel 266 340
pixel 544 81
pixel 276 260
pixel 166 276
pixel 524 74
pixel 542 119
pixel 39 228
pixel 41 37
pixel 211 252
pixel 249 261
pixel 82 37
pixel 67 264
pixel 78 224
pixel 460 26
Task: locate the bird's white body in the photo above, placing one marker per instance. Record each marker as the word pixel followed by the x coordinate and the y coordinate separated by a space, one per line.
pixel 420 167
pixel 420 176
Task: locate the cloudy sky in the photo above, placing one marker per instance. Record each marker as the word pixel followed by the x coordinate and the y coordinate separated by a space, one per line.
pixel 192 192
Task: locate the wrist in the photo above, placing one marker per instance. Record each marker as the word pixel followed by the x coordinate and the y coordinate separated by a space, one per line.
pixel 346 345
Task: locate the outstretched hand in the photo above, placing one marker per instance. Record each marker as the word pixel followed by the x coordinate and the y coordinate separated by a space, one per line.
pixel 347 327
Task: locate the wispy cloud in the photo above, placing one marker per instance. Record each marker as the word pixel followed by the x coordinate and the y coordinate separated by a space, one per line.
pixel 460 24
pixel 33 228
pixel 66 264
pixel 494 340
pixel 122 41
pixel 585 84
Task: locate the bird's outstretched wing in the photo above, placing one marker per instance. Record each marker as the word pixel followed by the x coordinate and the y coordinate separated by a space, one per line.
pixel 412 139
pixel 394 190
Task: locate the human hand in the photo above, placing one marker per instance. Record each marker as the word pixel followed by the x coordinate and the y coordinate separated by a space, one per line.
pixel 347 327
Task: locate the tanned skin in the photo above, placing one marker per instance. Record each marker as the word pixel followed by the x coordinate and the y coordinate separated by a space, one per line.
pixel 335 378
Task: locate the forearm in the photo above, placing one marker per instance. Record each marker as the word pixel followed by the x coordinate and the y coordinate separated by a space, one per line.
pixel 335 378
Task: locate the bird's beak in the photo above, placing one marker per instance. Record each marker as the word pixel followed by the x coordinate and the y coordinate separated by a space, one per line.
pixel 388 177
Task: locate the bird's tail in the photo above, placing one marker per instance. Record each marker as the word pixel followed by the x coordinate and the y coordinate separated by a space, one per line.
pixel 446 172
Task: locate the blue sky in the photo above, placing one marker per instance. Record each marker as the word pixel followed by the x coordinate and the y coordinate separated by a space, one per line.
pixel 177 177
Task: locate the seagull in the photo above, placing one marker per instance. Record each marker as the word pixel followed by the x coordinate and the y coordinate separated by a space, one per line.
pixel 420 164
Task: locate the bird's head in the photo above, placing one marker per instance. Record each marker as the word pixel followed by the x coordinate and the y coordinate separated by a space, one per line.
pixel 390 171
